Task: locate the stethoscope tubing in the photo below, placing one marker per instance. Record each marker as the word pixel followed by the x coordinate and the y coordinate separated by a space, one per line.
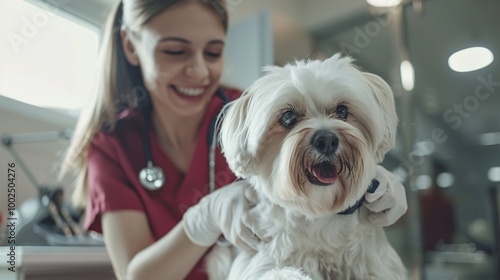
pixel 152 177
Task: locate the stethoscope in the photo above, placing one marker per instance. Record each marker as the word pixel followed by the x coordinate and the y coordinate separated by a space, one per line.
pixel 152 177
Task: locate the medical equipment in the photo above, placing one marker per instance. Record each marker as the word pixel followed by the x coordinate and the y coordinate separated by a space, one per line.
pixel 46 219
pixel 152 177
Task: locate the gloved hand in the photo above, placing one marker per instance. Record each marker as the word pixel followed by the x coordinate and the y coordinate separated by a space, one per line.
pixel 223 212
pixel 387 204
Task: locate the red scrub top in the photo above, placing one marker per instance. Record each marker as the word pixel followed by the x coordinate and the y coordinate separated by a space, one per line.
pixel 116 158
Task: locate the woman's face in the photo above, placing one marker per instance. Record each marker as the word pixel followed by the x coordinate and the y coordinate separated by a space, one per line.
pixel 180 55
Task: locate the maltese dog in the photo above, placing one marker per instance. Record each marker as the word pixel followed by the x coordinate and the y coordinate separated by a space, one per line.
pixel 308 137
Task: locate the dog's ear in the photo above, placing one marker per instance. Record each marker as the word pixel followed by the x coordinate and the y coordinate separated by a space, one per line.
pixel 385 99
pixel 234 137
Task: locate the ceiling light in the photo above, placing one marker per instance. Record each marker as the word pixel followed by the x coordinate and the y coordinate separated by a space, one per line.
pixel 384 3
pixel 470 59
pixel 423 182
pixel 407 75
pixel 445 180
pixel 490 138
pixel 494 174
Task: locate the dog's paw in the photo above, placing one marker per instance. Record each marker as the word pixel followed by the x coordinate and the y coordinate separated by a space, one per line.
pixel 286 273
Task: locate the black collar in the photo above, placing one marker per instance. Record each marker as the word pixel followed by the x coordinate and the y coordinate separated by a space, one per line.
pixel 371 189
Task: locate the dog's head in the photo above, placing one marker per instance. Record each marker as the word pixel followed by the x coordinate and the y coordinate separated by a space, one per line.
pixel 311 133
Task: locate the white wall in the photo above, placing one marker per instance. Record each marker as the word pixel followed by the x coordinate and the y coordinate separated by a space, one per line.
pixel 249 47
pixel 309 14
pixel 294 20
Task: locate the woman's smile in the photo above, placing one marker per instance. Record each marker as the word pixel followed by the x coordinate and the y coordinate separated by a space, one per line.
pixel 191 94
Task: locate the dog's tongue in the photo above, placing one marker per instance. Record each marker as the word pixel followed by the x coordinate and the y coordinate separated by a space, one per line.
pixel 325 173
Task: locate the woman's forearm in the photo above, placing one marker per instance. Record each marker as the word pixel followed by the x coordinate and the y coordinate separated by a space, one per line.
pixel 171 257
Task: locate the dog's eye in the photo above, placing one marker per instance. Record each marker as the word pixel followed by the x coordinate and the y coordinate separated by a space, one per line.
pixel 288 119
pixel 341 112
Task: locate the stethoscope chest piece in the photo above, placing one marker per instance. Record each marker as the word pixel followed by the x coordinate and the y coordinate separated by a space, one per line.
pixel 152 177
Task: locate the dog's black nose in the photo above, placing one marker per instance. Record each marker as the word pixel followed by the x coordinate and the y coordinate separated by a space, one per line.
pixel 325 142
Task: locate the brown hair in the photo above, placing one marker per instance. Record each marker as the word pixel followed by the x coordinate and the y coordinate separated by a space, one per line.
pixel 117 84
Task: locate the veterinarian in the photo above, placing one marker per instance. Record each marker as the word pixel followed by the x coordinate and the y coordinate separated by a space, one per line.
pixel 143 147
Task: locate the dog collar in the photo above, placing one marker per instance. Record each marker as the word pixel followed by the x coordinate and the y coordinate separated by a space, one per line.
pixel 371 189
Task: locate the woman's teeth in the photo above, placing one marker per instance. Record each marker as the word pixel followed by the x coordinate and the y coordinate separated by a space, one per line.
pixel 190 91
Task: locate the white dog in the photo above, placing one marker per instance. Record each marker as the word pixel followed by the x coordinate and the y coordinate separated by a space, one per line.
pixel 308 137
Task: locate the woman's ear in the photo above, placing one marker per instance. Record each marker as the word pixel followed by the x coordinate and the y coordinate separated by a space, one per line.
pixel 128 47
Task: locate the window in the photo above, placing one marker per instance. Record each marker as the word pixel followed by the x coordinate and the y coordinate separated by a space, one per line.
pixel 46 60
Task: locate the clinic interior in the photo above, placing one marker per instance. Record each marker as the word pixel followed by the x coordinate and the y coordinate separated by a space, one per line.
pixel 448 141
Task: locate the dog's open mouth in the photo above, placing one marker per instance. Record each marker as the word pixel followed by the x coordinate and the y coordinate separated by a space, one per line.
pixel 322 174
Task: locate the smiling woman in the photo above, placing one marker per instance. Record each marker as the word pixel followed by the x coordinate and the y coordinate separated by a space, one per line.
pixel 47 60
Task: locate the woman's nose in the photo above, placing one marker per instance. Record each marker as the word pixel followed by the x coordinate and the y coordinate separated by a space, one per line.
pixel 197 68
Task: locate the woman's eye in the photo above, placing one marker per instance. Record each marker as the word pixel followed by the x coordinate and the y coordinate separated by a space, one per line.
pixel 341 112
pixel 213 54
pixel 288 119
pixel 174 52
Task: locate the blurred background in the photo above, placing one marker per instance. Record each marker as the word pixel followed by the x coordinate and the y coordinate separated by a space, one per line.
pixel 441 57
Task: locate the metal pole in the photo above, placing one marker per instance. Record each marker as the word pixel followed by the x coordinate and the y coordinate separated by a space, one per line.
pixel 404 103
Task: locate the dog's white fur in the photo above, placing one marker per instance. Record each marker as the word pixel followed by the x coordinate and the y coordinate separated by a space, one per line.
pixel 308 239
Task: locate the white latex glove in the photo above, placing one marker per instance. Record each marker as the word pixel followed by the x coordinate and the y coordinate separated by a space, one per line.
pixel 223 212
pixel 387 204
